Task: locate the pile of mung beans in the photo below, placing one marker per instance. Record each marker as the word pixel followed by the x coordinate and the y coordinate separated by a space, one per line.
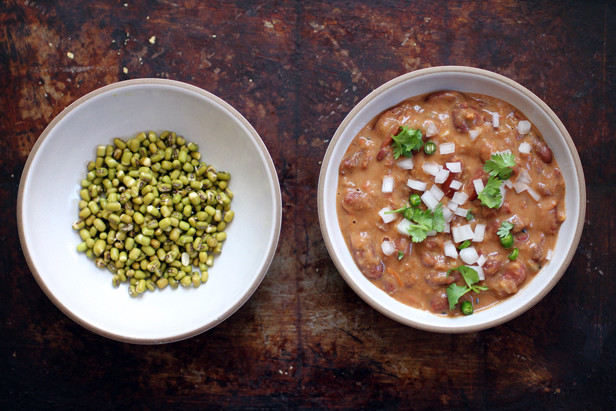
pixel 152 212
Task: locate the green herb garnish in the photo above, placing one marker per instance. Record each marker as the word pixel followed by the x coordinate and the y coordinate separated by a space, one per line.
pixel 407 140
pixel 500 165
pixel 469 215
pixel 491 195
pixel 400 255
pixel 455 291
pixel 426 221
pixel 504 232
pixel 464 245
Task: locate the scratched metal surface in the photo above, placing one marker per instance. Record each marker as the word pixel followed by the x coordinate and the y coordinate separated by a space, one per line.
pixel 295 69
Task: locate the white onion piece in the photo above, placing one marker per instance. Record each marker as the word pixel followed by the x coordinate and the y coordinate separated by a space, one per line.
pixel 430 168
pixel 480 232
pixel 524 177
pixel 450 249
pixel 462 233
pixel 436 192
pixel 431 233
pixel 533 194
pixel 417 185
pixel 455 167
pixel 387 217
pixel 447 228
pixel 478 185
pixel 429 200
pixel 524 148
pixel 406 163
pixel 523 127
pixel 431 128
pixel 503 194
pixel 549 255
pixel 469 255
pixel 455 184
pixel 508 183
pixel 403 226
pixel 495 120
pixel 473 134
pixel 459 197
pixel 452 206
pixel 519 187
pixel 480 272
pixel 481 260
pixel 447 214
pixel 461 212
pixel 441 176
pixel 447 148
pixel 388 185
pixel 388 247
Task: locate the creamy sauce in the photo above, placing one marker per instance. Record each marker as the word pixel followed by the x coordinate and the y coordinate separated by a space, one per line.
pixel 479 126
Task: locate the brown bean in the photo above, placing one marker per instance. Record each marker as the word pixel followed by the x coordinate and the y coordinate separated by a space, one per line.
pixel 453 97
pixel 465 117
pixel 355 199
pixel 439 302
pixel 441 277
pixel 543 151
pixel 366 255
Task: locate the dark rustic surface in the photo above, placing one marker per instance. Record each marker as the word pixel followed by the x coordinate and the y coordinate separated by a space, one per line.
pixel 295 69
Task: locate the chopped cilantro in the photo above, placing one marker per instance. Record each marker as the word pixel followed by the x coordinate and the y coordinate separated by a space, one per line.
pixel 504 229
pixel 400 255
pixel 407 140
pixel 464 245
pixel 455 291
pixel 500 165
pixel 469 215
pixel 491 196
pixel 426 221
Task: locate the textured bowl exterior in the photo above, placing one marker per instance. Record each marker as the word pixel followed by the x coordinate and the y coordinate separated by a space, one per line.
pixel 48 204
pixel 471 80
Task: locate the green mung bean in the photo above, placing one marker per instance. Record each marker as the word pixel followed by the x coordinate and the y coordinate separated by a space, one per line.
pixel 151 211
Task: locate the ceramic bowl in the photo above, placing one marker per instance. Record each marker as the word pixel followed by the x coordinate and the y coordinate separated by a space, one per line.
pixel 472 80
pixel 48 205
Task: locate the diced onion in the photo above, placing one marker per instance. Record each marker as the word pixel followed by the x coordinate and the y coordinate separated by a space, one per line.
pixel 388 185
pixel 403 226
pixel 495 120
pixel 441 176
pixel 462 212
pixel 533 194
pixel 480 231
pixel 473 134
pixel 523 127
pixel 447 214
pixel 431 233
pixel 524 177
pixel 469 255
pixel 388 247
pixel 508 183
pixel 450 249
pixel 387 217
pixel 431 128
pixel 455 184
pixel 478 185
pixel 481 260
pixel 455 167
pixel 429 200
pixel 406 163
pixel 519 187
pixel 447 228
pixel 462 233
pixel 549 255
pixel 436 192
pixel 417 185
pixel 447 148
pixel 480 272
pixel 524 148
pixel 452 206
pixel 430 168
pixel 459 197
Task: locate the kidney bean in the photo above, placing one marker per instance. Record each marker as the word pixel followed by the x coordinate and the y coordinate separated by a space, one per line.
pixel 520 238
pixel 511 278
pixel 465 117
pixel 355 199
pixel 428 259
pixel 543 151
pixel 366 255
pixel 446 95
pixel 439 302
pixel 493 263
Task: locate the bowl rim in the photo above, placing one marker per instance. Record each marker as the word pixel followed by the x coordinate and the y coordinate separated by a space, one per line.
pixel 452 69
pixel 270 168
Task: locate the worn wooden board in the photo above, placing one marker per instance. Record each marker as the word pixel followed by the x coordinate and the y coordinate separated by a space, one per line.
pixel 294 69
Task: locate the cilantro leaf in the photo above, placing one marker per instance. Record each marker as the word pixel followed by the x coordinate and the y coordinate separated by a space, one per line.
pixel 491 196
pixel 454 292
pixel 418 232
pixel 400 255
pixel 405 141
pixel 504 229
pixel 500 165
pixel 438 221
pixel 469 215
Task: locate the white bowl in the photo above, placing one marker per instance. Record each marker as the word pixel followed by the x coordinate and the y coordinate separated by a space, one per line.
pixel 48 205
pixel 471 80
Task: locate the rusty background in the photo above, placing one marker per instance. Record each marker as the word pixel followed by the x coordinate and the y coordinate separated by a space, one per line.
pixel 294 69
